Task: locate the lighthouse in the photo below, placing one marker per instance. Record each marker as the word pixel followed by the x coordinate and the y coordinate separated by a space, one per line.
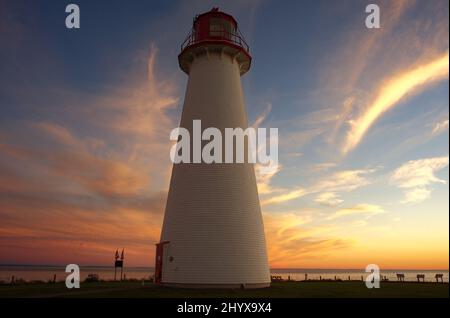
pixel 213 232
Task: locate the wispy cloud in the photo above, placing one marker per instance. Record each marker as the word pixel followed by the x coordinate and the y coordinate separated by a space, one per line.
pixel 107 181
pixel 264 180
pixel 417 176
pixel 324 166
pixel 392 91
pixel 355 59
pixel 327 188
pixel 382 68
pixel 262 117
pixel 440 127
pixel 328 199
pixel 293 241
pixel 343 181
pixel 287 196
pixel 359 209
pixel 43 227
pixel 97 159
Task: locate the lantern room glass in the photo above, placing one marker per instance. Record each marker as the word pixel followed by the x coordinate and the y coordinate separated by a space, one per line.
pixel 220 28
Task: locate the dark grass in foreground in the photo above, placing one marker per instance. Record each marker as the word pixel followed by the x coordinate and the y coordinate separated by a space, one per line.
pixel 277 290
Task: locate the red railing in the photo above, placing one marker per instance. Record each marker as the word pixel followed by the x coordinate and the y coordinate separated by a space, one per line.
pixel 234 38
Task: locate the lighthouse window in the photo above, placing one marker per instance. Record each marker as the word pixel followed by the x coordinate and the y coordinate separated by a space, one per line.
pixel 220 28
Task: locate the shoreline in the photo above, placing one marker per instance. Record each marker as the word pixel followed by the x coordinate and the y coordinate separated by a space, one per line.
pixel 293 269
pixel 45 273
pixel 144 281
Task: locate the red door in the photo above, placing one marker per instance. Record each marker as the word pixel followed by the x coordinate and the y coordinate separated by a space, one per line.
pixel 159 261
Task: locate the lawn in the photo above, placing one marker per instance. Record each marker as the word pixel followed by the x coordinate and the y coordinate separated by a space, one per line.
pixel 277 290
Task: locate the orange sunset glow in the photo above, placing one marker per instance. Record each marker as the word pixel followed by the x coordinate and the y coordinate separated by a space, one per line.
pixel 362 118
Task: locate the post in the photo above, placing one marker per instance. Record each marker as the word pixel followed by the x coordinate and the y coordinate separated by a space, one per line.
pixel 118 263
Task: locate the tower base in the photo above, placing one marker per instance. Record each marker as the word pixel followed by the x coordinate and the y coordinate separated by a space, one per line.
pixel 217 286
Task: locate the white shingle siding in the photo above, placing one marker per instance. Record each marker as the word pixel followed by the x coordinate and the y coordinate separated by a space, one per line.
pixel 213 217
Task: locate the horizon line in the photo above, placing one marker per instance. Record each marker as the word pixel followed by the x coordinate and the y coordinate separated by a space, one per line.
pixel 271 268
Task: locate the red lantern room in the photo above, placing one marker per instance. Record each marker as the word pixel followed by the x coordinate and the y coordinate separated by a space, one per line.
pixel 218 32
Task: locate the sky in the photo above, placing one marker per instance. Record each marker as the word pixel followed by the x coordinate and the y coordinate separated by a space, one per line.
pixel 363 115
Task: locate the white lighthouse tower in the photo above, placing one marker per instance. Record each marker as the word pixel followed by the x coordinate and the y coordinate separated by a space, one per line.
pixel 213 233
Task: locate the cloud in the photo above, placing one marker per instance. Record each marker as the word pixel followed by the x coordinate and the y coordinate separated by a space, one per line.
pixel 328 199
pixel 74 169
pixel 343 181
pixel 361 47
pixel 264 180
pixel 299 139
pixel 139 118
pixel 392 91
pixel 371 61
pixel 106 176
pixel 359 223
pixel 262 117
pixel 416 195
pixel 339 181
pixel 353 60
pixel 324 166
pixel 417 176
pixel 59 133
pixel 299 131
pixel 440 127
pixel 106 203
pixel 287 196
pixel 359 209
pixel 293 241
pixel 42 228
pixel 270 194
pixel 294 154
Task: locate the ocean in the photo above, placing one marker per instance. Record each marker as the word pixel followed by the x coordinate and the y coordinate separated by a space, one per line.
pixel 45 273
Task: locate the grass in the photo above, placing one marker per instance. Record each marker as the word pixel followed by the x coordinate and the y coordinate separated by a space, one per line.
pixel 129 289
